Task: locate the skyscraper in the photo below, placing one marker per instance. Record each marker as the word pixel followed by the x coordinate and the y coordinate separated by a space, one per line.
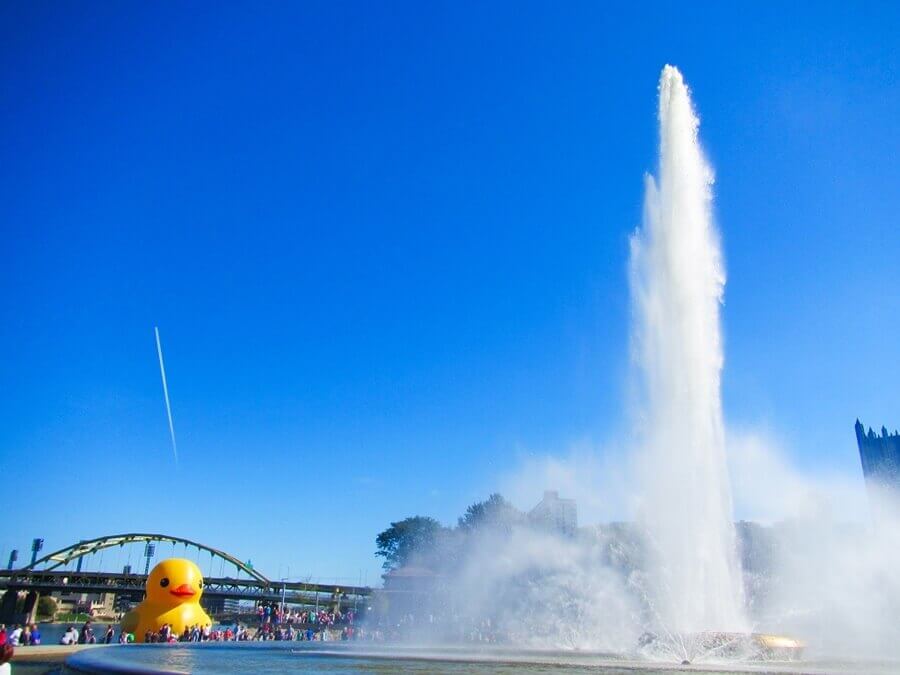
pixel 880 457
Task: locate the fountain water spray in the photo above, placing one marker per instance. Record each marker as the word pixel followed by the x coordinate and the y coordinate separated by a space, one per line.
pixel 677 279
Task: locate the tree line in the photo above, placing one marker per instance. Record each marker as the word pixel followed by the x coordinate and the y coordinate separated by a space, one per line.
pixel 422 540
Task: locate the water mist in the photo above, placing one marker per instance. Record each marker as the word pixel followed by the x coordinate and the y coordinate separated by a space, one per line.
pixel 677 279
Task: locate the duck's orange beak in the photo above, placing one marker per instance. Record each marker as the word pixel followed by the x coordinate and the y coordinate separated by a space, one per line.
pixel 183 591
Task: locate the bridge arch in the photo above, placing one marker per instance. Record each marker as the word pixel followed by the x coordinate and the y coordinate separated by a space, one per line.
pixel 89 546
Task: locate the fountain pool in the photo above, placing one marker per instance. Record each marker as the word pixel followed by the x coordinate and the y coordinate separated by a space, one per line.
pixel 342 659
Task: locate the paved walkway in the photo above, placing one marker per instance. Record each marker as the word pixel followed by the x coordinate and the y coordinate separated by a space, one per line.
pixel 48 653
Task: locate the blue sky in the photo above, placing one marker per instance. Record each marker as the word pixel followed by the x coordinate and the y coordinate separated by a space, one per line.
pixel 386 248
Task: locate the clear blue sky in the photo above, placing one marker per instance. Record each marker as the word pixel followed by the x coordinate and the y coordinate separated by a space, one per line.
pixel 386 248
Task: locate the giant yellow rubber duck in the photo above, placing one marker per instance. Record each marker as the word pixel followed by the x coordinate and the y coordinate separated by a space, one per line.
pixel 173 595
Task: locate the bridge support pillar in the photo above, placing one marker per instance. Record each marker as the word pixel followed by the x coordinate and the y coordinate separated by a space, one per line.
pixel 8 606
pixel 29 610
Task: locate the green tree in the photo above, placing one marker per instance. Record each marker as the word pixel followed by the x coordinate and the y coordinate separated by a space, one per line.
pixel 494 513
pixel 46 607
pixel 417 537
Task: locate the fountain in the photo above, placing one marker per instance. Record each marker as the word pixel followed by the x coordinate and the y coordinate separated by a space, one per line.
pixel 694 584
pixel 677 284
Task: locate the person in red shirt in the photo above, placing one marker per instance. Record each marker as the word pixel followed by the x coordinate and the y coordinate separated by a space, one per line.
pixel 6 654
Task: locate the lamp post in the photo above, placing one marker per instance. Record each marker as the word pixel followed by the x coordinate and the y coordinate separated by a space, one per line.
pixel 284 588
pixel 36 546
pixel 13 556
pixel 149 551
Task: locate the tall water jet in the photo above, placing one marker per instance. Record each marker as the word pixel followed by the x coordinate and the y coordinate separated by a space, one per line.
pixel 677 282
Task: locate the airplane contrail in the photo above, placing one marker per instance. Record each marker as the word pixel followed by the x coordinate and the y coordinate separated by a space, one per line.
pixel 162 372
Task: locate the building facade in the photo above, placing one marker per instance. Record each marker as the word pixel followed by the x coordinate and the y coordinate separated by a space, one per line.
pixel 216 606
pixel 100 605
pixel 880 457
pixel 555 514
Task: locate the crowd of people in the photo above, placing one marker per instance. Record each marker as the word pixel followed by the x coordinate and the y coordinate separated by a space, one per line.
pixel 20 635
pixel 274 622
pixel 166 633
pixel 26 635
pixel 275 614
pixel 86 636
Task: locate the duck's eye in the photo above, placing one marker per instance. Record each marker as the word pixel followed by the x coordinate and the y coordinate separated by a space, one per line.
pixel 200 585
pixel 164 582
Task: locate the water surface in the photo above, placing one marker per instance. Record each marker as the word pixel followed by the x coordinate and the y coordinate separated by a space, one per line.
pixel 341 659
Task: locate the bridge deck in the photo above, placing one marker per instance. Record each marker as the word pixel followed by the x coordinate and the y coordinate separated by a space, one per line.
pixel 218 587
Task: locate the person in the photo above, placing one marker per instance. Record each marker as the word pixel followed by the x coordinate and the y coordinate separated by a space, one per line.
pixel 87 634
pixel 123 637
pixel 15 637
pixel 35 635
pixel 2 634
pixel 6 654
pixel 109 635
pixel 70 637
pixel 25 640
